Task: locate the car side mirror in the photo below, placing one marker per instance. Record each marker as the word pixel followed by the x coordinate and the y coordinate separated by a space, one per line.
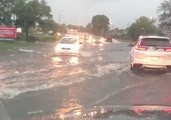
pixel 131 45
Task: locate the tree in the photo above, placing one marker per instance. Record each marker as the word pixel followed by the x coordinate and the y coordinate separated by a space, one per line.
pixel 165 15
pixel 5 11
pixel 48 25
pixel 142 26
pixel 100 24
pixel 88 27
pixel 33 11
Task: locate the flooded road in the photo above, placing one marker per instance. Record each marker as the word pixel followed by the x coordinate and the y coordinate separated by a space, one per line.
pixel 34 81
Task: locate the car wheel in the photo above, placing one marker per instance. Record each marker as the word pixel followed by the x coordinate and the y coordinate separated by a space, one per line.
pixel 134 69
pixel 163 70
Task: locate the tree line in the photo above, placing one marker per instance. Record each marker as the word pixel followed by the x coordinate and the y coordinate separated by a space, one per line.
pixel 37 13
pixel 142 26
pixel 145 25
pixel 29 13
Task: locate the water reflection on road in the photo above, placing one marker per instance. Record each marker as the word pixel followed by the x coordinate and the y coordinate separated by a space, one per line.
pixel 22 74
pixel 18 78
pixel 66 60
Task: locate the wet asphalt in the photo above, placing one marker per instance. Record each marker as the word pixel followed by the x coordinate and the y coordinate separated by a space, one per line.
pixel 35 82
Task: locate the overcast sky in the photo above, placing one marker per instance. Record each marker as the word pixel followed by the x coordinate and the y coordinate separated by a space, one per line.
pixel 121 12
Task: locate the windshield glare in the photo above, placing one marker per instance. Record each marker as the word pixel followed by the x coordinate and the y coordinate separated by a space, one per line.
pixel 69 40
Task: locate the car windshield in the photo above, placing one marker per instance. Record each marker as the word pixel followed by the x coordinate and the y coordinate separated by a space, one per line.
pixel 69 41
pixel 59 56
pixel 156 42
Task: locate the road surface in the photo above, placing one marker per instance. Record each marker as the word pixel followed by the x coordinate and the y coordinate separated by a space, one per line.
pixel 34 83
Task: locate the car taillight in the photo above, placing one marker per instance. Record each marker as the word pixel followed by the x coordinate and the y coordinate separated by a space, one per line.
pixel 167 111
pixel 167 49
pixel 141 48
pixel 139 110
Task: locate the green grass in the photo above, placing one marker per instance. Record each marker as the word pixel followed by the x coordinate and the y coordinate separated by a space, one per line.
pixel 10 45
pixel 49 38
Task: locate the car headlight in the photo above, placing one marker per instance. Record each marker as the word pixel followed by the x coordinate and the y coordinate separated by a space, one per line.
pixel 101 40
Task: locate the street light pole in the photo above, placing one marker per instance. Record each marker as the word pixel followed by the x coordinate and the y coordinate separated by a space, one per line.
pixel 60 14
pixel 59 17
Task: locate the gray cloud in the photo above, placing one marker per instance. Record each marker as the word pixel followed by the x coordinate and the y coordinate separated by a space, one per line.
pixel 120 12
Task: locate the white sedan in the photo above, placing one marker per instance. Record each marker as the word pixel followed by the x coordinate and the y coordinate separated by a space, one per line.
pixel 152 52
pixel 68 45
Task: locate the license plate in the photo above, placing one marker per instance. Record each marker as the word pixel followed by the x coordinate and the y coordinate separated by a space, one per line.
pixel 65 48
pixel 154 58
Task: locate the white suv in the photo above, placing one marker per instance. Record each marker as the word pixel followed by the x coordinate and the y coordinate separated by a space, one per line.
pixel 151 52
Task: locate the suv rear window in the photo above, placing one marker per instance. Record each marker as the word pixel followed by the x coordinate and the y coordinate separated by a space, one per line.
pixel 156 42
pixel 69 40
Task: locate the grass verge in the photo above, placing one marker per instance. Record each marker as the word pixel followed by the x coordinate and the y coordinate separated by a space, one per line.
pixel 13 44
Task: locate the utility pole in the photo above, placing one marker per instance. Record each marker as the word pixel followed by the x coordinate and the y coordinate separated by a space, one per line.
pixel 60 13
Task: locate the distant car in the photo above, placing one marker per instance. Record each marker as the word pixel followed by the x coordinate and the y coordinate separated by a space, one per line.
pixel 109 39
pixel 68 45
pixel 98 39
pixel 152 52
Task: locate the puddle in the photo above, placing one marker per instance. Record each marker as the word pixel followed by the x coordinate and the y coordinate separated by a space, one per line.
pixel 12 90
pixel 106 69
pixel 26 50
